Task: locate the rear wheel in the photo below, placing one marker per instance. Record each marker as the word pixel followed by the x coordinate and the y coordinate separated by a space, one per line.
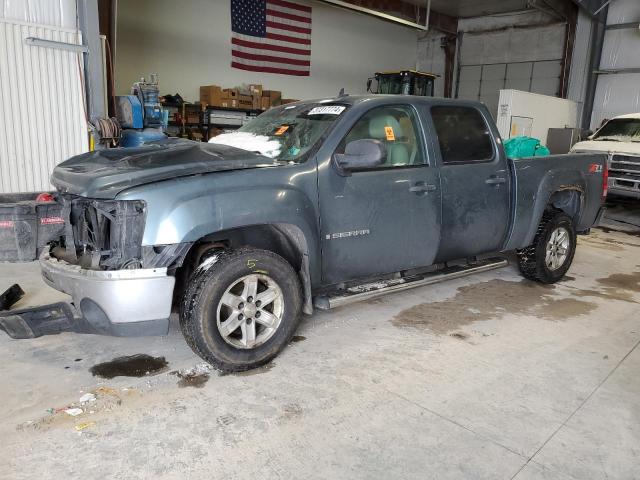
pixel 241 308
pixel 549 257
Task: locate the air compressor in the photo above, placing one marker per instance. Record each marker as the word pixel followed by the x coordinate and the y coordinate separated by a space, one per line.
pixel 140 115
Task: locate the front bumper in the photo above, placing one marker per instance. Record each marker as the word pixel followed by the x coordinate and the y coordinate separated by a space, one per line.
pixel 120 302
pixel 617 191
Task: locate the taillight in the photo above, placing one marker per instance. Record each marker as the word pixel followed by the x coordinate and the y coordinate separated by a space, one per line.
pixel 45 198
pixel 605 180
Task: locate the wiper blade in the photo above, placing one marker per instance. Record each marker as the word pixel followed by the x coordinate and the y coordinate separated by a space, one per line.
pixel 607 139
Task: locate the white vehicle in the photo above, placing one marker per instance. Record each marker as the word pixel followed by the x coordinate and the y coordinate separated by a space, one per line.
pixel 620 138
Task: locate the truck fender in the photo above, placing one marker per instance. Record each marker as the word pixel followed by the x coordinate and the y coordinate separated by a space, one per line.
pixel 191 216
pixel 550 192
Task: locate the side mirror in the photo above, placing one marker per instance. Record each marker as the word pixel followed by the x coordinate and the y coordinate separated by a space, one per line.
pixel 361 154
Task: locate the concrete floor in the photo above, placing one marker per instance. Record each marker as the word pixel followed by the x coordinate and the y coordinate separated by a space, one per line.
pixel 485 377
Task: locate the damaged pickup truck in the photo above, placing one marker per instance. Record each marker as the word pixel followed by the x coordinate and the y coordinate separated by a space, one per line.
pixel 317 203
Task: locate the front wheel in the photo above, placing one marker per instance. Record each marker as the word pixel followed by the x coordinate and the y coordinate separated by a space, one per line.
pixel 241 308
pixel 549 257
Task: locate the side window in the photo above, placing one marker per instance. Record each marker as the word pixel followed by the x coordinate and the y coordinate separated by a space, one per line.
pixel 463 134
pixel 396 127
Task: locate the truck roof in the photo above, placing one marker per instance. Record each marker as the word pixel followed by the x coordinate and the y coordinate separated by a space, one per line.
pixel 384 99
pixel 415 72
pixel 629 115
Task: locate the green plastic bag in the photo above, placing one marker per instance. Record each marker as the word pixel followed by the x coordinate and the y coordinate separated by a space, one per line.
pixel 519 147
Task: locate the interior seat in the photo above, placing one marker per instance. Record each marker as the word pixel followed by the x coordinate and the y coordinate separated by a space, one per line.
pixel 397 153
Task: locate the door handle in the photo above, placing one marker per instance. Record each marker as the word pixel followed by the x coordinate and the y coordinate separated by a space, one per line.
pixel 494 180
pixel 422 187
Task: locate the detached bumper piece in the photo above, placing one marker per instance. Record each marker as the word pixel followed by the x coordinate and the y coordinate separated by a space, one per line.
pixel 38 321
pixel 61 317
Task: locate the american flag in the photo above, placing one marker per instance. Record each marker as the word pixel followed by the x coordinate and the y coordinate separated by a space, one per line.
pixel 272 36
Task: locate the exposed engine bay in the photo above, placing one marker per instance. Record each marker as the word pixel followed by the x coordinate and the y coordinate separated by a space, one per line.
pixel 107 235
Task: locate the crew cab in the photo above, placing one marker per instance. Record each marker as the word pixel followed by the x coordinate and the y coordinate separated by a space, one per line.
pixel 619 138
pixel 316 203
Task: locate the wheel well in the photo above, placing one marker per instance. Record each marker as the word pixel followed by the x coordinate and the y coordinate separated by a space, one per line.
pixel 286 240
pixel 568 201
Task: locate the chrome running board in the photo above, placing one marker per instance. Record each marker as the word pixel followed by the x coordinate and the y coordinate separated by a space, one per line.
pixel 368 291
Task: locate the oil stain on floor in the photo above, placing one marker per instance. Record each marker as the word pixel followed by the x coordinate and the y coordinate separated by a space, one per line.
pixel 622 281
pixel 138 365
pixel 487 300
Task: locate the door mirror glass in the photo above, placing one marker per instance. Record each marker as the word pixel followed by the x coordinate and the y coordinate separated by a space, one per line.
pixel 362 154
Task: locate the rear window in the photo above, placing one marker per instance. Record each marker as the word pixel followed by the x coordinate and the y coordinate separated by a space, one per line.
pixel 463 135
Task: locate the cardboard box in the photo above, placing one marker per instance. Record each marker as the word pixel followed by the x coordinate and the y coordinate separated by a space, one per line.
pixel 210 94
pixel 229 103
pixel 230 93
pixel 274 95
pixel 245 101
pixel 256 90
pixel 265 103
pixel 256 102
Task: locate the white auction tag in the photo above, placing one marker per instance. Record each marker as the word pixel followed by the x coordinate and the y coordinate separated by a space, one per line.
pixel 327 110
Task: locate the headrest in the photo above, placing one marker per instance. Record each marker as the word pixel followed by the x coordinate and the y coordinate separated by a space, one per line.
pixel 377 127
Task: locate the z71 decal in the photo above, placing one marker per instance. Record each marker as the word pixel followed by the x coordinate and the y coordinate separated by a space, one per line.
pixel 595 168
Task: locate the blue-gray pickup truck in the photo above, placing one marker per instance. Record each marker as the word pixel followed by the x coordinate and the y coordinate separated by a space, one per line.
pixel 311 204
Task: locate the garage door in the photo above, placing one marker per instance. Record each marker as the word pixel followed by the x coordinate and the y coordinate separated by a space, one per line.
pixel 528 59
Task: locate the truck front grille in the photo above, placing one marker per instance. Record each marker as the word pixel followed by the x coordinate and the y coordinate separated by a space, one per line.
pixel 624 172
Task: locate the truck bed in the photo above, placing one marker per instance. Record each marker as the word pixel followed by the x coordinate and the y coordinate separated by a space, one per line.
pixel 535 179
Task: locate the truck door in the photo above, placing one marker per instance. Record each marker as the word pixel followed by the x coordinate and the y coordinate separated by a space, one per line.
pixel 475 182
pixel 385 219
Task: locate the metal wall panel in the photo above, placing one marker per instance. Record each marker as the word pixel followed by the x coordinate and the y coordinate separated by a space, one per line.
pixel 42 119
pixel 615 95
pixel 623 11
pixel 57 13
pixel 621 49
pixel 618 93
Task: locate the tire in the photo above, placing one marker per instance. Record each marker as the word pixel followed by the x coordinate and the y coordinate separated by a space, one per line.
pixel 533 260
pixel 225 324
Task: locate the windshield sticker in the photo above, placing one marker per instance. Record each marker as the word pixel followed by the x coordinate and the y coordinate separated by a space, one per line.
pixel 282 129
pixel 327 110
pixel 391 137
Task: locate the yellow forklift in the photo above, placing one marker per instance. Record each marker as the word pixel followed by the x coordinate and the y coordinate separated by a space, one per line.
pixel 403 82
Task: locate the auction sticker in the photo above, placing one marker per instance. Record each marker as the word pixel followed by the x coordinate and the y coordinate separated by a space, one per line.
pixel 327 110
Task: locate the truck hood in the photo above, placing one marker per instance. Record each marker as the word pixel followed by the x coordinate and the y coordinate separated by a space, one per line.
pixel 627 148
pixel 105 173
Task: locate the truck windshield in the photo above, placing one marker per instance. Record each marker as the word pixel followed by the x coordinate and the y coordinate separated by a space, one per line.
pixel 286 133
pixel 620 130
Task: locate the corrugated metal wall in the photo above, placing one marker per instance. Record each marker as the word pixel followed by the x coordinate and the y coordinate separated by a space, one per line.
pixel 42 119
pixel 618 93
